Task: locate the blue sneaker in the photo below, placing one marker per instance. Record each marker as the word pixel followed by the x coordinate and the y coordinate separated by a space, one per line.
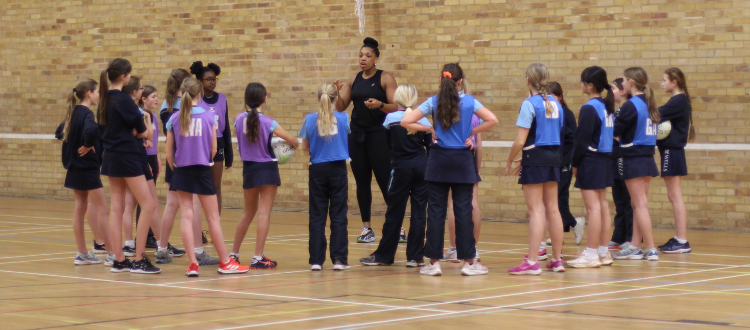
pixel 629 254
pixel 670 241
pixel 109 260
pixel 675 247
pixel 652 255
pixel 86 259
pixel 368 236
pixel 175 251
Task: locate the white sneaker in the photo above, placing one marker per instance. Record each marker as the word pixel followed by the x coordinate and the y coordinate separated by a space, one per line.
pixel 316 268
pixel 431 269
pixel 549 241
pixel 338 265
pixel 475 269
pixel 585 261
pixel 451 255
pixel 579 228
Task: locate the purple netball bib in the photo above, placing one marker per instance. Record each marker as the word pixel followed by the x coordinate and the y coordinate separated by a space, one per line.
pixel 155 127
pixel 195 147
pixel 257 151
pixel 219 110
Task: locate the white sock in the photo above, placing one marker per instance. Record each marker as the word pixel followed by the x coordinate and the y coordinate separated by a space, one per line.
pixel 590 252
pixel 681 241
pixel 603 250
pixel 543 246
pixel 130 244
pixel 532 263
pixel 158 243
pixel 198 250
pixel 452 248
pixel 234 254
pixel 160 249
pixel 259 258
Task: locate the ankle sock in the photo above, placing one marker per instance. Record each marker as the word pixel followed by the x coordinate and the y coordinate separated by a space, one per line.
pixel 198 250
pixel 259 258
pixel 160 249
pixel 542 246
pixel 603 250
pixel 130 244
pixel 158 242
pixel 590 252
pixel 681 241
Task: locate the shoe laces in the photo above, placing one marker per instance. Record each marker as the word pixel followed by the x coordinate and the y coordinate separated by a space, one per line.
pixel 146 260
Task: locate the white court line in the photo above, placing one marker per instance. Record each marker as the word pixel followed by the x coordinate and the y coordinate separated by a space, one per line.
pixel 387 307
pixel 486 144
pixel 38 255
pixel 18 262
pixel 481 310
pixel 719 255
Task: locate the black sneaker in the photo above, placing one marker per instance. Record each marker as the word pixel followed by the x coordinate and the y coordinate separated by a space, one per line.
pixel 175 251
pixel 669 242
pixel 144 266
pixel 675 247
pixel 264 263
pixel 205 240
pixel 99 248
pixel 128 251
pixel 340 265
pixel 122 266
pixel 151 242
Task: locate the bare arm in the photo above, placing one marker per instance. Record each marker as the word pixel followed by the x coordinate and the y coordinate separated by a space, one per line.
pixel 280 132
pixel 170 149
pixel 214 145
pixel 488 120
pixel 523 133
pixel 345 93
pixel 388 82
pixel 306 145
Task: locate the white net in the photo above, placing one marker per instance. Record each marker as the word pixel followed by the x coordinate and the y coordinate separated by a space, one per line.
pixel 359 11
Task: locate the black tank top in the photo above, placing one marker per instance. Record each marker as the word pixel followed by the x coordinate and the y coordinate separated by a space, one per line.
pixel 362 90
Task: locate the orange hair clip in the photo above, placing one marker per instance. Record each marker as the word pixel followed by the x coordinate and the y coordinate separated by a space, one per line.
pixel 447 74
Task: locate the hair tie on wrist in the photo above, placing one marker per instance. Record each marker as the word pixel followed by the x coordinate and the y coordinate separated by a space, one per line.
pixel 447 74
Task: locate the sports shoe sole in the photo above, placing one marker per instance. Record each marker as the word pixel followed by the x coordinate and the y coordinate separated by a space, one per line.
pixel 677 251
pixel 414 265
pixel 557 269
pixel 337 267
pixel 596 265
pixel 191 274
pixel 608 263
pixel 527 272
pixel 363 241
pixel 138 271
pixel 228 271
pixel 271 267
pixel 316 269
pixel 163 261
pixel 432 273
pixel 84 263
pixel 474 272
pixel 129 254
pixel 374 264
pixel 120 270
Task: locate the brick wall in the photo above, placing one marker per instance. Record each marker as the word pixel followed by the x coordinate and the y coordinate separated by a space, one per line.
pixel 292 46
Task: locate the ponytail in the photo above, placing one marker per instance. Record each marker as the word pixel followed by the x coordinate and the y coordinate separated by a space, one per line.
pixel 539 78
pixel 406 97
pixel 75 96
pixel 255 96
pixel 447 112
pixel 597 77
pixel 112 73
pixel 193 89
pixel 326 122
pixel 653 111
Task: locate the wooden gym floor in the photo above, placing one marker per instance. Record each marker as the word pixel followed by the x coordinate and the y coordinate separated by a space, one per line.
pixel 40 288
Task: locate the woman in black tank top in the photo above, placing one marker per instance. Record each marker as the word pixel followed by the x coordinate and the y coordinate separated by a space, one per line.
pixel 371 91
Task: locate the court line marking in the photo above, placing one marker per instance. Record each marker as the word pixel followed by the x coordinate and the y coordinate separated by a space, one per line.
pixel 487 144
pixel 18 262
pixel 38 255
pixel 349 303
pixel 475 311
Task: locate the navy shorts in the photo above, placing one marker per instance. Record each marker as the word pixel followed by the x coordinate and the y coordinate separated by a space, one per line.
pixel 193 179
pixel 673 162
pixel 594 172
pixel 153 162
pixel 256 174
pixel 639 166
pixel 168 174
pixel 476 166
pixel 86 179
pixel 147 171
pixel 123 164
pixel 538 174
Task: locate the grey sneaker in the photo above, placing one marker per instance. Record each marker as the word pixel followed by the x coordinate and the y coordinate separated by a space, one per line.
pixel 164 256
pixel 86 259
pixel 370 261
pixel 451 255
pixel 205 259
pixel 109 260
pixel 415 263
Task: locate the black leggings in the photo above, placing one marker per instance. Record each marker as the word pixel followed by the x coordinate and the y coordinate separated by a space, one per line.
pixel 370 153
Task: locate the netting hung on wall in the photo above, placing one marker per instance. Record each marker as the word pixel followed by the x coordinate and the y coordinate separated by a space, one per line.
pixel 359 11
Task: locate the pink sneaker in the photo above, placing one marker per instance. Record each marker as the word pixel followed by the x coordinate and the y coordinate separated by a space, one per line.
pixel 431 269
pixel 556 266
pixel 475 269
pixel 541 256
pixel 526 269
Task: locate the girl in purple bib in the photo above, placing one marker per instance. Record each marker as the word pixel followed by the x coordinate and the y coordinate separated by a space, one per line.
pixel 191 146
pixel 260 171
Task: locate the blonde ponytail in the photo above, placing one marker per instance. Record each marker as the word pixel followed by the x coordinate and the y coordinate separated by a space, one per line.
pixel 539 78
pixel 406 97
pixel 639 77
pixel 327 123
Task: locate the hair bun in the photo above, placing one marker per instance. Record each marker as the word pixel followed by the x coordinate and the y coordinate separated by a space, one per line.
pixel 215 68
pixel 196 68
pixel 371 41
